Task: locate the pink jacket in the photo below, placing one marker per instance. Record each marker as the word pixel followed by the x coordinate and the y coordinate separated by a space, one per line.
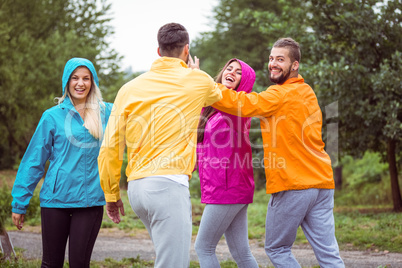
pixel 224 157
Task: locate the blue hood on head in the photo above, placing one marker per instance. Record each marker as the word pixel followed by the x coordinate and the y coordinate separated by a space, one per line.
pixel 72 64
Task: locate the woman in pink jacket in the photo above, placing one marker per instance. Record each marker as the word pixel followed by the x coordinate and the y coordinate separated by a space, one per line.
pixel 226 174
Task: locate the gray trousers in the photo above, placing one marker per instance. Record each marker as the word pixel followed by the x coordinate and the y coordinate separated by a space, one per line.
pixel 228 219
pixel 165 209
pixel 312 209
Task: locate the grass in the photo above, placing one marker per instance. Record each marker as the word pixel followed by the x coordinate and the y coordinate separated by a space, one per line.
pixel 372 228
pixel 107 263
pixel 368 229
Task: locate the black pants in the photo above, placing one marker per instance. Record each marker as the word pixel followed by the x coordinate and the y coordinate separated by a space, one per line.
pixel 79 225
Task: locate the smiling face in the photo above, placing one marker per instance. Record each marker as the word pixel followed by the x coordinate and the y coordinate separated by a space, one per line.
pixel 231 76
pixel 280 65
pixel 79 85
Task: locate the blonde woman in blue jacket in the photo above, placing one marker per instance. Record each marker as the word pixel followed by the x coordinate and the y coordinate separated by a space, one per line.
pixel 69 136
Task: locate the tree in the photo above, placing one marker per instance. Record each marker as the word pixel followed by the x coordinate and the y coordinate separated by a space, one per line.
pixel 36 40
pixel 357 51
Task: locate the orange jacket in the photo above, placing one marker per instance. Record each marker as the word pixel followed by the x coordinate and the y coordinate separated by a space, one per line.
pixel 291 120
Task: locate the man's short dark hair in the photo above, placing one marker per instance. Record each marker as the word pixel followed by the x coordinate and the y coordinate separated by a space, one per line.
pixel 172 37
pixel 292 46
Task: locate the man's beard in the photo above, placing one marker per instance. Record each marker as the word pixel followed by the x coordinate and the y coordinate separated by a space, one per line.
pixel 282 78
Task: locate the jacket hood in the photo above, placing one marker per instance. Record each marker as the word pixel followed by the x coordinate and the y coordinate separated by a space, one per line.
pixel 247 76
pixel 72 64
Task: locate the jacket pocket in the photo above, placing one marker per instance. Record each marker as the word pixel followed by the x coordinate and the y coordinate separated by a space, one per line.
pixel 55 182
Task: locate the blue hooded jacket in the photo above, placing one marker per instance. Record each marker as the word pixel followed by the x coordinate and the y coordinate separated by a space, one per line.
pixel 72 179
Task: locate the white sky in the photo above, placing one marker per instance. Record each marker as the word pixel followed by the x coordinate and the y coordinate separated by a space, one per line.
pixel 136 24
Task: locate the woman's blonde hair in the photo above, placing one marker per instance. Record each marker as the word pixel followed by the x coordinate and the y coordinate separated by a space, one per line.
pixel 92 112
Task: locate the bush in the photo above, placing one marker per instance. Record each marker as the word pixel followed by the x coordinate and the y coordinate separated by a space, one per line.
pixel 32 216
pixel 365 181
pixel 5 206
pixel 368 169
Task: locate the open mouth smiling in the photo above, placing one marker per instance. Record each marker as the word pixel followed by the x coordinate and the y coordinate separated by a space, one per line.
pixel 230 79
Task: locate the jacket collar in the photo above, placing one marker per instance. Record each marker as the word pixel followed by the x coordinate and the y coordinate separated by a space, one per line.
pixel 67 104
pixel 299 79
pixel 167 63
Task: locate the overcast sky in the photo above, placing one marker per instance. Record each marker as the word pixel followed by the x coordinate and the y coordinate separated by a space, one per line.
pixel 137 23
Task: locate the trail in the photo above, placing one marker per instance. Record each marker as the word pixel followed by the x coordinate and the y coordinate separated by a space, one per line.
pixel 112 243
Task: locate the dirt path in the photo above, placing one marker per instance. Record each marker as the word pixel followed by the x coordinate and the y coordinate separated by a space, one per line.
pixel 115 244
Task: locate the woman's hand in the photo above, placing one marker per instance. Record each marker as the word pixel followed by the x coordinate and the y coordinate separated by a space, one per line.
pixel 18 220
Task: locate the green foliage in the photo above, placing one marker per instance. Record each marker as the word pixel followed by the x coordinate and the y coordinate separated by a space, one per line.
pixel 351 64
pixel 123 178
pixel 5 205
pixel 129 222
pixel 194 185
pixel 20 263
pixel 234 36
pixel 32 217
pixel 364 170
pixel 125 262
pixel 365 181
pixel 36 40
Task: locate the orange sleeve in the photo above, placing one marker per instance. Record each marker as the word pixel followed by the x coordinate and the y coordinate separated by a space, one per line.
pixel 251 104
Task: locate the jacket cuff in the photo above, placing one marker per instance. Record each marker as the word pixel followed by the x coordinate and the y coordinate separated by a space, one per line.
pixel 18 211
pixel 112 197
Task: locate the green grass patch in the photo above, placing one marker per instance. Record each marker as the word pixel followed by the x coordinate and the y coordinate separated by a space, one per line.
pixel 129 222
pixel 107 263
pixel 369 229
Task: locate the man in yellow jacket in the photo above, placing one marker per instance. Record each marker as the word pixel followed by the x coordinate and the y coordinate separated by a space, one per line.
pixel 155 116
pixel 298 170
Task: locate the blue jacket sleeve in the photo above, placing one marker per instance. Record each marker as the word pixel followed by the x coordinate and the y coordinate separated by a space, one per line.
pixel 32 166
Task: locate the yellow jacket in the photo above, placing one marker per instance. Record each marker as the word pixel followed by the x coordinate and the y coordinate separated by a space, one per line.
pixel 155 116
pixel 291 121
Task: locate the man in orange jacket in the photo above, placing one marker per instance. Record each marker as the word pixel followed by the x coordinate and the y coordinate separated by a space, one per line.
pixel 298 170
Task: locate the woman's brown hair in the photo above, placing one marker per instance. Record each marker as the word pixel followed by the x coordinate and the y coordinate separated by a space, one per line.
pixel 209 111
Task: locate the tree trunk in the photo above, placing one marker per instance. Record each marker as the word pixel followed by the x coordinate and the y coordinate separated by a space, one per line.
pixel 6 245
pixel 393 172
pixel 338 177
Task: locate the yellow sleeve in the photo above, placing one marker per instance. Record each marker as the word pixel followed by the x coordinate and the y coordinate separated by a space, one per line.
pixel 215 94
pixel 251 104
pixel 110 157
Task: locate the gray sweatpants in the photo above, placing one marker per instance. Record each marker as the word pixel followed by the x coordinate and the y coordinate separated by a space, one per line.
pixel 228 219
pixel 312 209
pixel 165 209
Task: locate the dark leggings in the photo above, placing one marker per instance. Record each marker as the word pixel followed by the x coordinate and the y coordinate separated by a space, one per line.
pixel 79 225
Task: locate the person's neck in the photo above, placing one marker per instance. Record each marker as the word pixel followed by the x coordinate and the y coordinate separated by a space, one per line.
pixel 293 75
pixel 80 107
